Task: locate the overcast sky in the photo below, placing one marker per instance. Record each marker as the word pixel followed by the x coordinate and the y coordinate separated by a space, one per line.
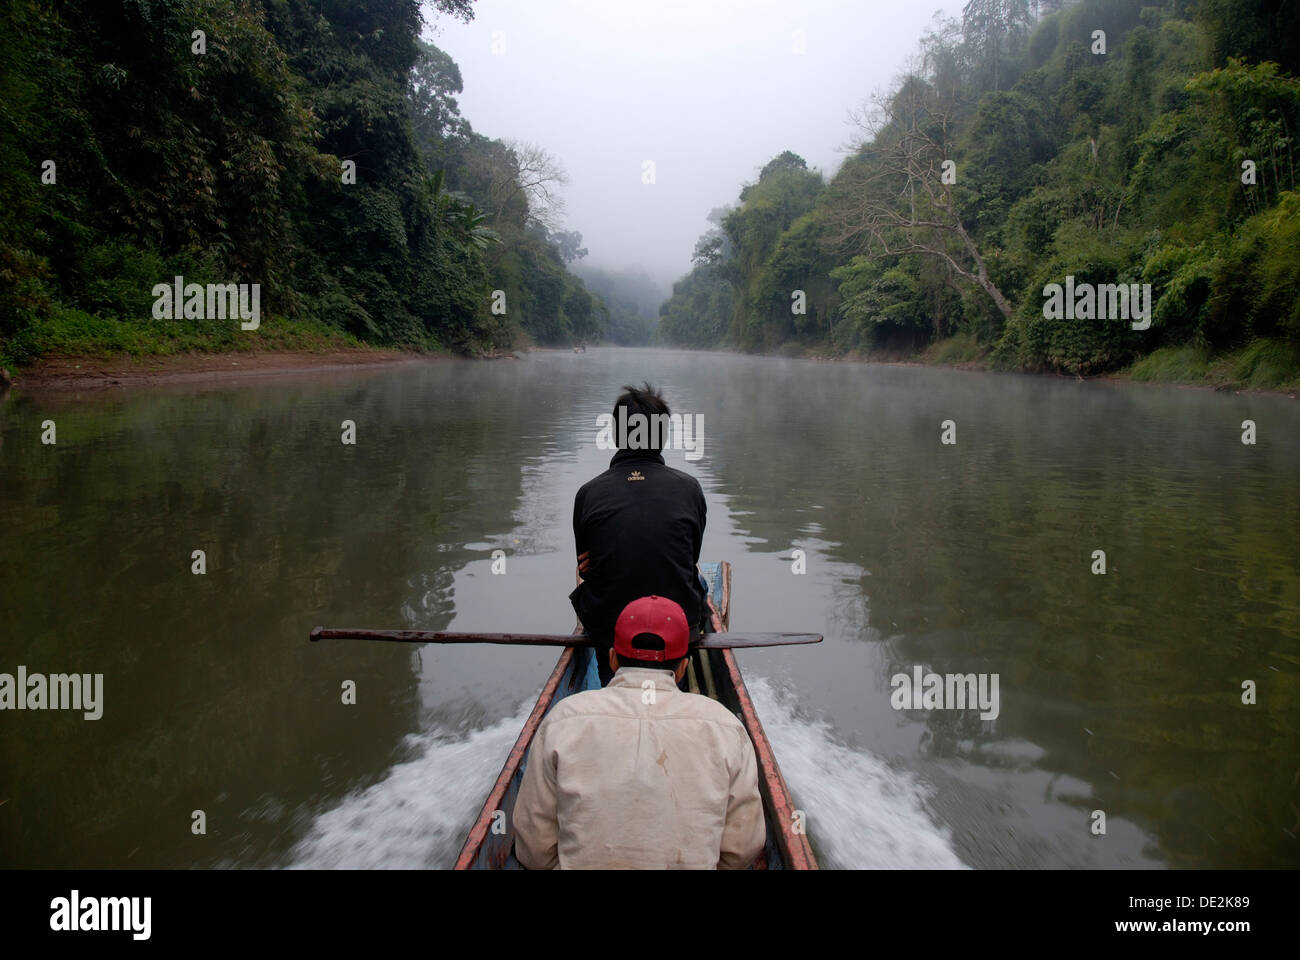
pixel 709 90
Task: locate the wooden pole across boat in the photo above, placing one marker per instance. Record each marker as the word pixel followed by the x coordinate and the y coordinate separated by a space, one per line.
pixel 487 847
pixel 709 641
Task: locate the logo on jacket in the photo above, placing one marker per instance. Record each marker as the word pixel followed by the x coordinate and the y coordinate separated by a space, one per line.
pixel 636 475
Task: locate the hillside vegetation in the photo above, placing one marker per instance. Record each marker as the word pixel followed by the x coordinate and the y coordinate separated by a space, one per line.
pixel 1110 142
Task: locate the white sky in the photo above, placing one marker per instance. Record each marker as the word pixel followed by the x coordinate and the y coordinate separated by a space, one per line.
pixel 709 90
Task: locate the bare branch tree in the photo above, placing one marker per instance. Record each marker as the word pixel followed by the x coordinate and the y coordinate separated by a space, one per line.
pixel 893 198
pixel 540 177
pixel 522 182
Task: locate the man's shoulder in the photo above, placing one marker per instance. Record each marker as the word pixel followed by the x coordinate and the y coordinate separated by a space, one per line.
pixel 584 706
pixel 713 710
pixel 622 701
pixel 585 703
pixel 706 708
pixel 683 483
pixel 682 477
pixel 600 479
pixel 625 470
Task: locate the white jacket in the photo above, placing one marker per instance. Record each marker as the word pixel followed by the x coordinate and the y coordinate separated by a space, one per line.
pixel 615 781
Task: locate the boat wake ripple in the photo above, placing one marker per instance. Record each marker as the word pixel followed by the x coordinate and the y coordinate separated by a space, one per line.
pixel 862 814
pixel 417 816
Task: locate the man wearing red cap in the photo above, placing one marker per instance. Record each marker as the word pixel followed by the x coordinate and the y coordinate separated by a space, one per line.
pixel 640 775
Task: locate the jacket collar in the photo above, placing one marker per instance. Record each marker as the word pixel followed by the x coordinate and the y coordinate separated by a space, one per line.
pixel 636 676
pixel 625 455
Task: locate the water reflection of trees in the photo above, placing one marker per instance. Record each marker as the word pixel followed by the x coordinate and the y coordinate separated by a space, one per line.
pixel 978 558
pixel 214 698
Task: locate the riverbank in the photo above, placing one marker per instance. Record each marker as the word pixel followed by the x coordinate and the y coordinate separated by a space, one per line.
pixel 1261 367
pixel 101 372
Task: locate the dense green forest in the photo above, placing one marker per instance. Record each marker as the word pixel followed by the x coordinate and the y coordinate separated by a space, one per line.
pixel 314 147
pixel 1107 141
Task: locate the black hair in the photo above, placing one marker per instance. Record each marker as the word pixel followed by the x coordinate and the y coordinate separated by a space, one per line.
pixel 649 641
pixel 648 402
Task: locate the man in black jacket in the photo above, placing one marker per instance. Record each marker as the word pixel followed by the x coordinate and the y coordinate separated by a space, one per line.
pixel 638 527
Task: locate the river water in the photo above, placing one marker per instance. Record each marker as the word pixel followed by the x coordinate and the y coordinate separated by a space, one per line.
pixel 1118 693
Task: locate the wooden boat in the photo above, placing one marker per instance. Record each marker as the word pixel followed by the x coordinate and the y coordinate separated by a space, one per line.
pixel 714 673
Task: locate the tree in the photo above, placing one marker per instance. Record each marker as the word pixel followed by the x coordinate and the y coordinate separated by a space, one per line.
pixel 708 249
pixel 891 195
pixel 435 114
pixel 537 177
pixel 994 29
pixel 786 161
pixel 785 191
pixel 462 10
pixel 569 244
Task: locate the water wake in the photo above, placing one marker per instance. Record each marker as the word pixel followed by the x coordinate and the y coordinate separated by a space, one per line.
pixel 861 813
pixel 419 814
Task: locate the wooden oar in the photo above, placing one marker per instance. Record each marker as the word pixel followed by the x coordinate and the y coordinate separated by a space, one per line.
pixel 710 641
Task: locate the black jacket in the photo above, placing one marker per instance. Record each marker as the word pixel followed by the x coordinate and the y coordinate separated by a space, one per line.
pixel 643 523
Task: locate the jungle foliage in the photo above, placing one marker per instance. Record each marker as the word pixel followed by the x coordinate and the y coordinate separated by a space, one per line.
pixel 212 139
pixel 1166 155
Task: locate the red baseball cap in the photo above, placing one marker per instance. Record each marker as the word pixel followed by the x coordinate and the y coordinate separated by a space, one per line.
pixel 659 616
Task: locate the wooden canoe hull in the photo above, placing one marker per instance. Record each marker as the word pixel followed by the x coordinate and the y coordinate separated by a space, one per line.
pixel 491 839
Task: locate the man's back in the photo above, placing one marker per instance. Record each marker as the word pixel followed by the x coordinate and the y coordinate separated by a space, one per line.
pixel 614 781
pixel 642 525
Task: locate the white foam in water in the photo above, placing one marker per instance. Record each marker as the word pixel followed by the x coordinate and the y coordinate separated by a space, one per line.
pixel 862 814
pixel 418 815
